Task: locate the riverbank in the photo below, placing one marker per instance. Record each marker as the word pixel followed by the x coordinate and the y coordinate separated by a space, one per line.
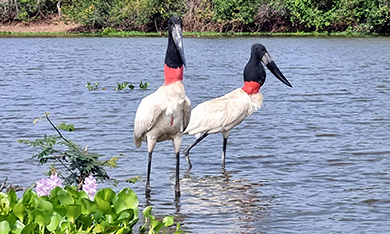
pixel 53 27
pixel 50 25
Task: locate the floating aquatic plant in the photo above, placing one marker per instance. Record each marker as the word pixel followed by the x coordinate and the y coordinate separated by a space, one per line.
pixel 92 87
pixel 143 85
pixel 69 210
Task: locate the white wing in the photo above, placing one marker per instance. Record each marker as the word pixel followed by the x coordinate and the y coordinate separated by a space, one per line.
pixel 187 112
pixel 219 114
pixel 147 114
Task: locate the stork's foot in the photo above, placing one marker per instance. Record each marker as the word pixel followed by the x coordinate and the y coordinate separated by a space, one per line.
pixel 177 193
pixel 147 190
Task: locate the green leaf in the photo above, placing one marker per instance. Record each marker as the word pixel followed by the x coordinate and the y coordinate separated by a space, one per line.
pixel 65 227
pixel 168 221
pixel 28 229
pixel 64 197
pixel 54 223
pixel 133 180
pixel 29 198
pixel 119 205
pixel 146 212
pixel 19 211
pixel 98 229
pixel 178 231
pixel 106 194
pixel 126 215
pixel 66 127
pixel 125 199
pixel 103 205
pixel 156 225
pixel 4 204
pixel 73 212
pixel 87 221
pixel 121 231
pixel 46 206
pixel 13 198
pixel 87 206
pixel 41 217
pixel 18 227
pixel 4 227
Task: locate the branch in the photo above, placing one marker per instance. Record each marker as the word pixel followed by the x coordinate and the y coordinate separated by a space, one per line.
pixel 47 117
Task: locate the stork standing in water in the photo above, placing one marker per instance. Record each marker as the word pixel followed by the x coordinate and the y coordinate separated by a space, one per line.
pixel 164 114
pixel 223 113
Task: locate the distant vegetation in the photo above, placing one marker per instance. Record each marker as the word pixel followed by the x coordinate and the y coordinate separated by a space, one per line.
pixel 363 16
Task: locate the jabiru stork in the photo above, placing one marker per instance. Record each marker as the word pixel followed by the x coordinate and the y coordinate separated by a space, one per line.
pixel 224 113
pixel 164 114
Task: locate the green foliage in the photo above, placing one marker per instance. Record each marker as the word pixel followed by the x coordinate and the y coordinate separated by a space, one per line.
pixel 123 14
pixel 143 85
pixel 340 15
pixel 235 10
pixel 92 13
pixel 112 17
pixel 92 87
pixel 77 163
pixel 124 85
pixel 26 10
pixel 155 226
pixel 66 127
pixel 71 211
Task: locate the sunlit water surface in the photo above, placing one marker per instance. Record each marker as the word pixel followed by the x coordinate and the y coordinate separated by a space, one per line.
pixel 313 159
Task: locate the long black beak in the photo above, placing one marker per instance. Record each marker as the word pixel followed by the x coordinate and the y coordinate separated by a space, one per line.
pixel 178 39
pixel 267 60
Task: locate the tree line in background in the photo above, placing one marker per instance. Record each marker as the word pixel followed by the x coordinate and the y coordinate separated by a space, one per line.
pixel 365 16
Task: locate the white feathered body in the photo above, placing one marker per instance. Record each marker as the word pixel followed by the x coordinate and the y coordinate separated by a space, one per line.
pixel 163 115
pixel 223 113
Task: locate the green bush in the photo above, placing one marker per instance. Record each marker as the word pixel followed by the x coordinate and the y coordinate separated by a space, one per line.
pixel 364 16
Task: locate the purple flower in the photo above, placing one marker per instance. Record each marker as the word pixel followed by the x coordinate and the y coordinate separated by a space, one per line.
pixel 54 181
pixel 42 188
pixel 90 186
pixel 44 185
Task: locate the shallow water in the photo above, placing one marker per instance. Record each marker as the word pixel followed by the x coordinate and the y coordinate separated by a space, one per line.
pixel 313 159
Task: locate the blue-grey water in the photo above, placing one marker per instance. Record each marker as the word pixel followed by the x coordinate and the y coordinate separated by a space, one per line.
pixel 313 159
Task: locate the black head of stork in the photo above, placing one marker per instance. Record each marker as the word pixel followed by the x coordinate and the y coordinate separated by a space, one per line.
pixel 254 71
pixel 174 57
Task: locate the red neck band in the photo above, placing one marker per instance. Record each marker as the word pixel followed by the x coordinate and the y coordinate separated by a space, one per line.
pixel 172 74
pixel 251 87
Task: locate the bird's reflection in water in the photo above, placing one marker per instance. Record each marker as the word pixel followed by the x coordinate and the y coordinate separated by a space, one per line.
pixel 231 205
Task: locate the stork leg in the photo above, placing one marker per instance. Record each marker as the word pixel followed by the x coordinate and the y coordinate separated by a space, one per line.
pixel 147 187
pixel 187 150
pixel 177 184
pixel 225 135
pixel 151 143
pixel 223 153
pixel 176 145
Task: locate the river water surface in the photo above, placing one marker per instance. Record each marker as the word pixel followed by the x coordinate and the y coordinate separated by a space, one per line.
pixel 313 159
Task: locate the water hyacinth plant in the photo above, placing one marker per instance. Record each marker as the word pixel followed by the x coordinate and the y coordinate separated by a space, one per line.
pixel 44 185
pixel 90 186
pixel 69 211
pixel 78 207
pixel 143 85
pixel 92 87
pixel 124 85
